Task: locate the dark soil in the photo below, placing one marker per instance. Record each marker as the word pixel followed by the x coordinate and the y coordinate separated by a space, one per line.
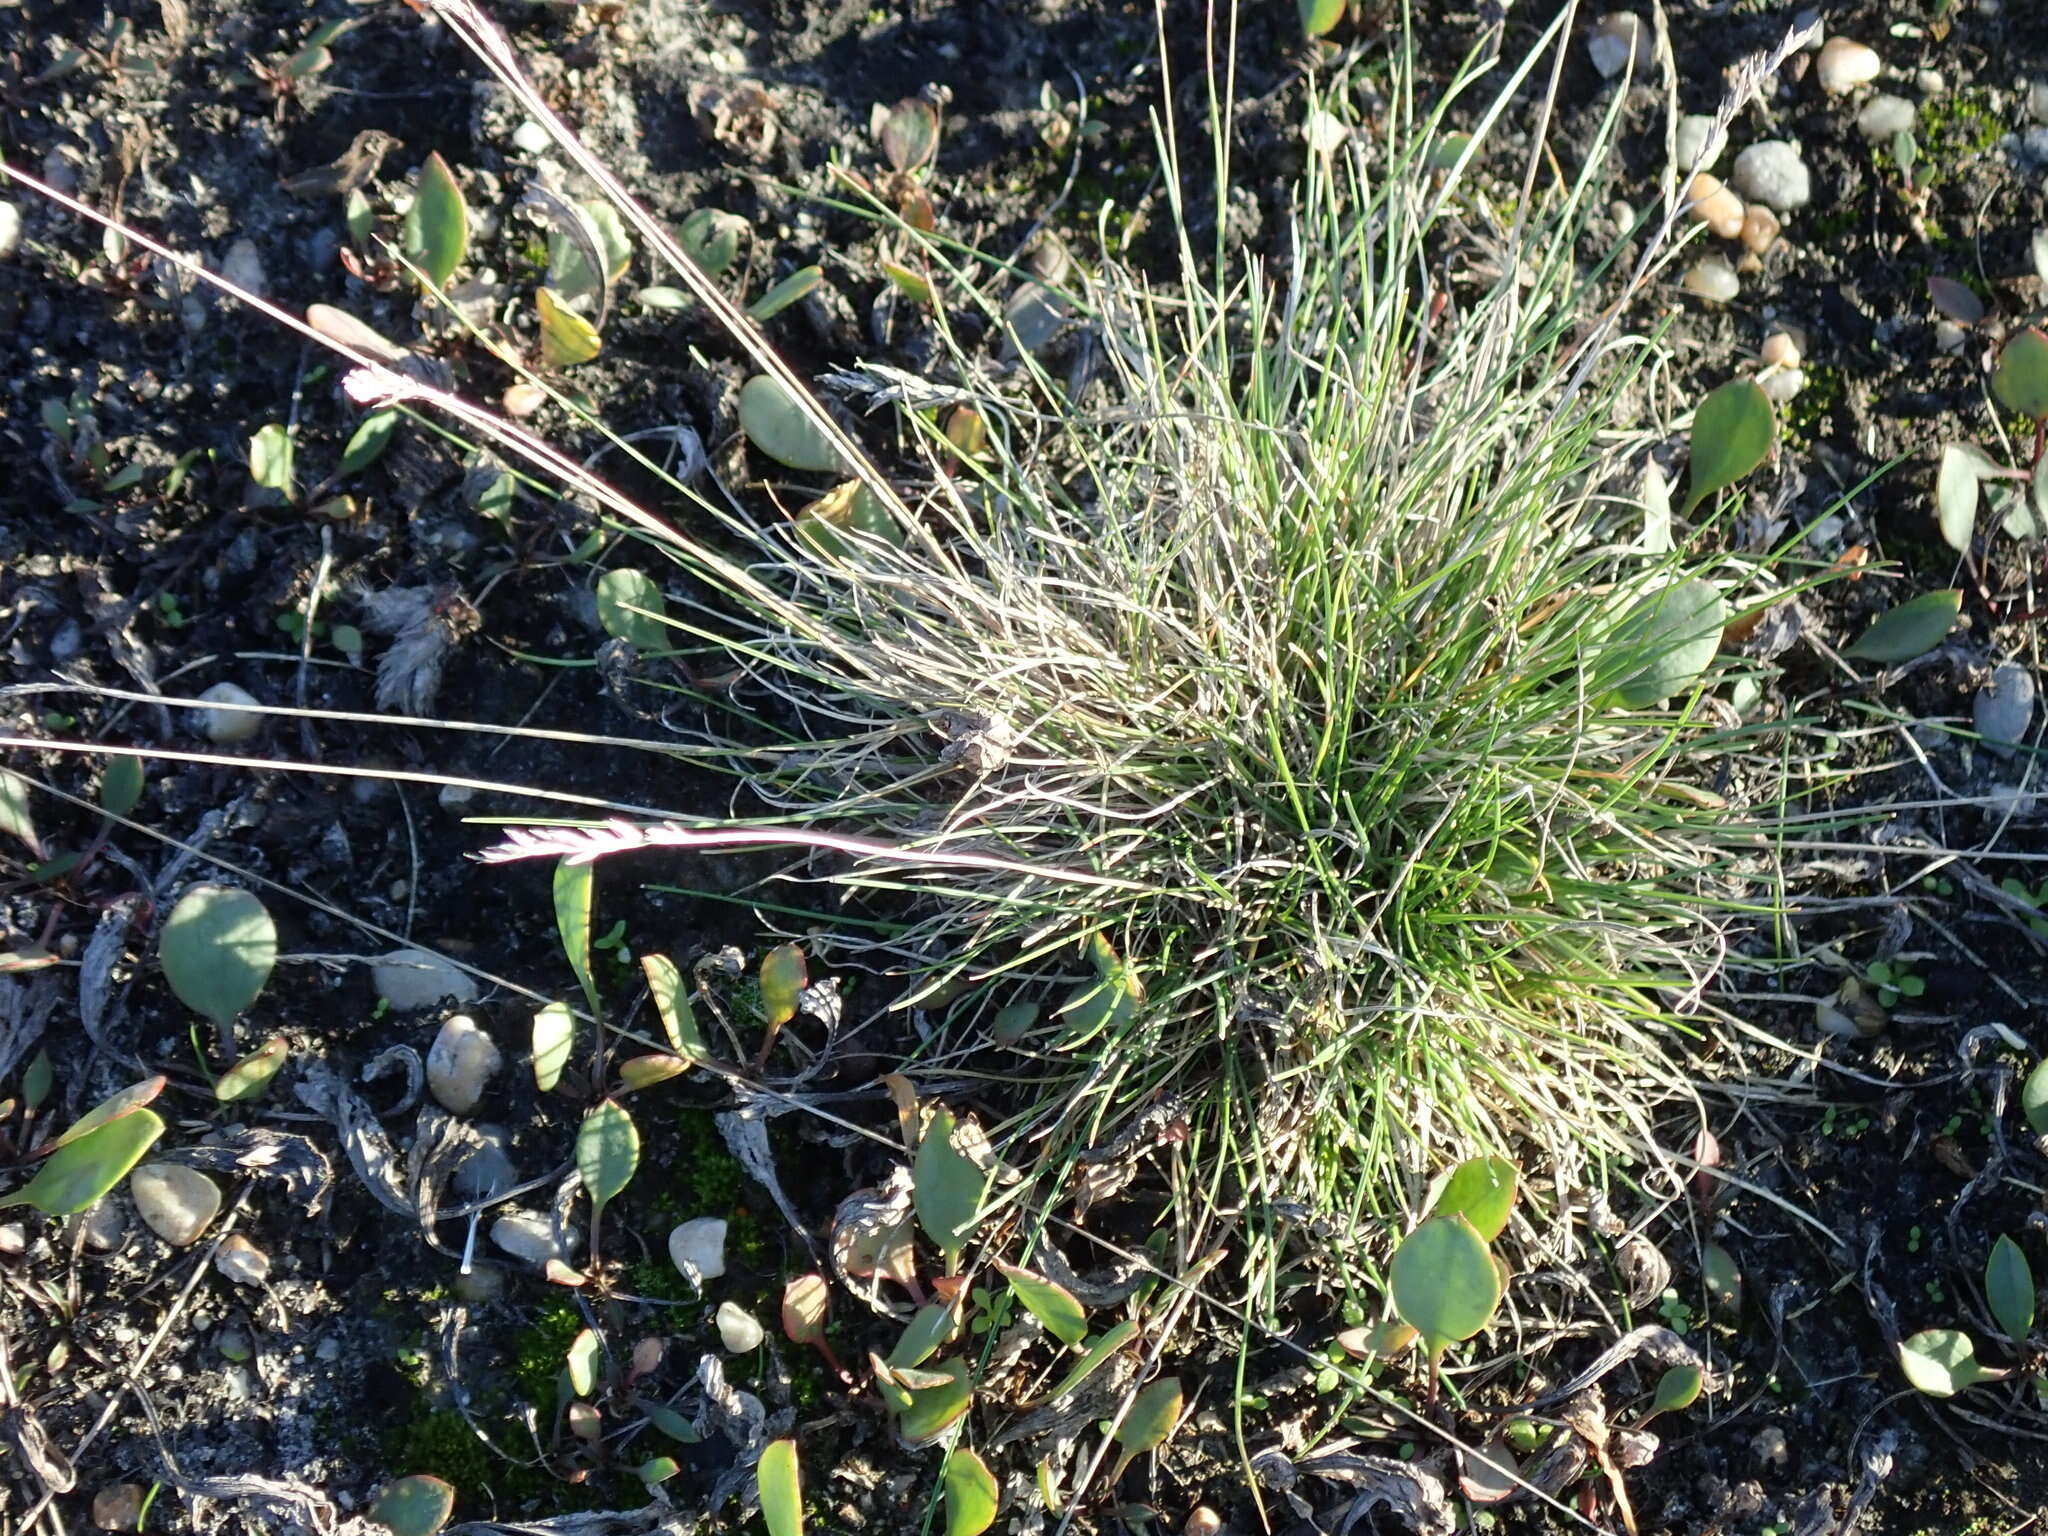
pixel 1868 1180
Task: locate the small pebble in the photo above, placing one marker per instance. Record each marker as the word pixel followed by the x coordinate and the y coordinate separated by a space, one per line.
pixel 1712 279
pixel 13 1239
pixel 1695 129
pixel 242 1261
pixel 484 1283
pixel 738 1330
pixel 529 1237
pixel 1772 173
pixel 1714 205
pixel 1781 384
pixel 455 797
pixel 522 400
pixel 229 727
pixel 1202 1521
pixel 1884 117
pixel 1929 82
pixel 1613 38
pixel 488 1171
pixel 1780 350
pixel 529 138
pixel 1949 338
pixel 10 229
pixel 1844 65
pixel 175 1202
pixel 1760 229
pixel 118 1506
pixel 2004 707
pixel 242 265
pixel 698 1248
pixel 461 1063
pixel 2037 101
pixel 411 979
pixel 233 1343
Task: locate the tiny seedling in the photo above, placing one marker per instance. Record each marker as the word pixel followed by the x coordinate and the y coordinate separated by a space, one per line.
pixel 1943 1361
pixel 2017 493
pixel 1894 979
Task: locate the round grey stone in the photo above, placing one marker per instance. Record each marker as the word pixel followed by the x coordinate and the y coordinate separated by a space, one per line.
pixel 1772 173
pixel 2004 707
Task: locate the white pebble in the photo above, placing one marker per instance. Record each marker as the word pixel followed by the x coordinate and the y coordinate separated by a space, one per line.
pixel 2004 707
pixel 1614 38
pixel 461 1063
pixel 242 1261
pixel 10 229
pixel 529 1237
pixel 242 265
pixel 1844 65
pixel 1929 82
pixel 1711 278
pixel 174 1202
pixel 529 138
pixel 1772 173
pixel 1884 117
pixel 229 727
pixel 1714 205
pixel 1697 134
pixel 698 1249
pixel 1782 384
pixel 409 979
pixel 738 1330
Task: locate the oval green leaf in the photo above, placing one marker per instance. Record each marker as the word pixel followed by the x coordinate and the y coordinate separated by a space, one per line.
pixel 607 1152
pixel 672 1003
pixel 782 983
pixel 1732 432
pixel 121 788
pixel 1154 1413
pixel 1318 16
pixel 645 1071
pixel 414 1506
pixel 630 607
pixel 1482 1190
pixel 946 1186
pixel 782 1503
pixel 910 134
pixel 1956 487
pixel 785 293
pixel 270 459
pixel 1912 629
pixel 2034 1098
pixel 932 1411
pixel 1444 1283
pixel 2020 381
pixel 79 1172
pixel 566 338
pixel 217 949
pixel 436 231
pixel 1677 1388
pixel 2009 1289
pixel 711 238
pixel 1051 1303
pixel 1943 1361
pixel 108 1110
pixel 575 896
pixel 1721 1276
pixel 1666 642
pixel 782 429
pixel 971 1493
pixel 247 1078
pixel 554 1033
pixel 935 1325
pixel 367 443
pixel 656 1469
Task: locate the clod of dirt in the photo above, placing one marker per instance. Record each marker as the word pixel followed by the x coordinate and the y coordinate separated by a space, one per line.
pixel 1885 116
pixel 176 1203
pixel 229 727
pixel 1772 173
pixel 461 1064
pixel 410 979
pixel 118 1507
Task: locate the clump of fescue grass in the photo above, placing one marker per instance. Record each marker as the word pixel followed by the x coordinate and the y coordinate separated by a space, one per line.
pixel 1274 645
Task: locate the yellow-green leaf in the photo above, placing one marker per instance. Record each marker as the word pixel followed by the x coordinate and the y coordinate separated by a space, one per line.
pixel 782 983
pixel 782 1504
pixel 436 234
pixel 78 1173
pixel 575 895
pixel 971 1494
pixel 247 1078
pixel 554 1033
pixel 1154 1413
pixel 1051 1303
pixel 566 338
pixel 607 1152
pixel 1912 629
pixel 1732 433
pixel 672 1003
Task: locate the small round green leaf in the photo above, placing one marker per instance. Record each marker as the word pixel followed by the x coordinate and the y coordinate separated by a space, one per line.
pixel 971 1493
pixel 1318 16
pixel 1677 1388
pixel 711 238
pixel 782 983
pixel 270 459
pixel 121 788
pixel 1444 1282
pixel 1482 1190
pixel 656 1469
pixel 910 134
pixel 780 428
pixel 414 1506
pixel 1666 642
pixel 436 231
pixel 1721 1276
pixel 630 607
pixel 2009 1289
pixel 782 1502
pixel 2020 381
pixel 1912 629
pixel 1732 433
pixel 1943 1361
pixel 217 949
pixel 946 1186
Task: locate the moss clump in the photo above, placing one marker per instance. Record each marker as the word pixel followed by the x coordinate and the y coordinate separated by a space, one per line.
pixel 541 1351
pixel 1807 412
pixel 440 1442
pixel 1954 128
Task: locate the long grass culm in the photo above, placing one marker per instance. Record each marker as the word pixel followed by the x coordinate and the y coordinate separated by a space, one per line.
pixel 1244 698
